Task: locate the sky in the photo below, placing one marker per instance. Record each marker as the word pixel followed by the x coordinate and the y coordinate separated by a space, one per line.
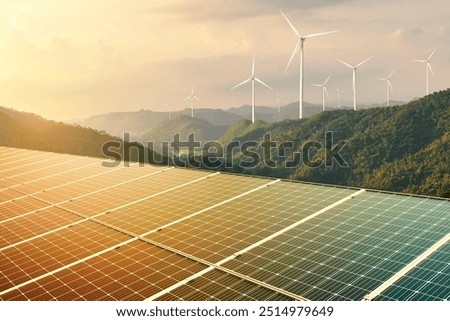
pixel 73 59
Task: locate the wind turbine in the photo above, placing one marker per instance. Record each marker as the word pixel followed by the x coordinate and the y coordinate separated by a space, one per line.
pixel 278 100
pixel 324 91
pixel 300 45
pixel 339 92
pixel 192 97
pixel 388 86
pixel 253 79
pixel 354 77
pixel 428 67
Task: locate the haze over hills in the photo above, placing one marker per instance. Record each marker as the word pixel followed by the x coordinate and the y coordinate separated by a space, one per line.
pixel 184 125
pixel 136 123
pixel 30 131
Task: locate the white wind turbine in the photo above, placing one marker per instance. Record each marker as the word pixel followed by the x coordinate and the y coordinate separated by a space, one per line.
pixel 278 100
pixel 428 67
pixel 253 79
pixel 324 91
pixel 339 92
pixel 192 97
pixel 388 86
pixel 300 45
pixel 354 77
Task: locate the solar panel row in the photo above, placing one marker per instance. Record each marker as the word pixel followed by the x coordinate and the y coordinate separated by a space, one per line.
pixel 71 229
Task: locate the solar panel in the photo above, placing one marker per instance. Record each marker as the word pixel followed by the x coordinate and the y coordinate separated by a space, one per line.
pixel 428 281
pixel 348 251
pixel 71 229
pixel 220 286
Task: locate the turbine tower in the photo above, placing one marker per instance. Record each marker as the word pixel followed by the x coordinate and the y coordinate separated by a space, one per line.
pixel 278 100
pixel 192 97
pixel 324 91
pixel 300 45
pixel 388 86
pixel 339 92
pixel 253 79
pixel 354 77
pixel 428 68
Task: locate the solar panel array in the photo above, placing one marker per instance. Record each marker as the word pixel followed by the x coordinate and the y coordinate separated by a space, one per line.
pixel 71 229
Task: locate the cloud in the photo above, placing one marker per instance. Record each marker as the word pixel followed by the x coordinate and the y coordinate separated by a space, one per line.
pixel 234 10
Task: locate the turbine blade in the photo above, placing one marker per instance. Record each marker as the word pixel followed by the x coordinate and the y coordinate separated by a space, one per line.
pixel 319 34
pixel 189 97
pixel 390 75
pixel 290 24
pixel 241 83
pixel 432 54
pixel 350 66
pixel 253 66
pixel 327 80
pixel 262 83
pixel 292 55
pixel 316 85
pixel 363 62
pixel 384 79
pixel 390 85
pixel 195 97
pixel 326 91
pixel 419 60
pixel 429 67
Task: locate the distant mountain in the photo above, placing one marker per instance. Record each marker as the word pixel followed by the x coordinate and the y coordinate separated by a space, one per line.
pixel 30 131
pixel 136 123
pixel 184 125
pixel 401 148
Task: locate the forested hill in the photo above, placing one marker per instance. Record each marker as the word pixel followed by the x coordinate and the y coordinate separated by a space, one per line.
pixel 30 131
pixel 400 148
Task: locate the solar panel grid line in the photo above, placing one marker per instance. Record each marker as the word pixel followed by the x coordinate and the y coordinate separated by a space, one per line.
pixel 51 188
pixel 262 284
pixel 92 218
pixel 103 251
pixel 44 167
pixel 132 272
pixel 220 230
pixel 434 281
pixel 76 181
pixel 407 268
pixel 221 286
pixel 84 259
pixel 14 156
pixel 272 246
pixel 227 259
pixel 210 207
pixel 49 176
pixel 27 163
pixel 165 191
pixel 298 223
pixel 33 195
pixel 389 256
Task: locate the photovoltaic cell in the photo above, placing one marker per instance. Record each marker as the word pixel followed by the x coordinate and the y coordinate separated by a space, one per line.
pixel 222 231
pixel 25 227
pixel 35 258
pixel 163 209
pixel 132 272
pixel 428 281
pixel 92 184
pixel 220 286
pixel 19 207
pixel 346 252
pixel 57 168
pixel 136 190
